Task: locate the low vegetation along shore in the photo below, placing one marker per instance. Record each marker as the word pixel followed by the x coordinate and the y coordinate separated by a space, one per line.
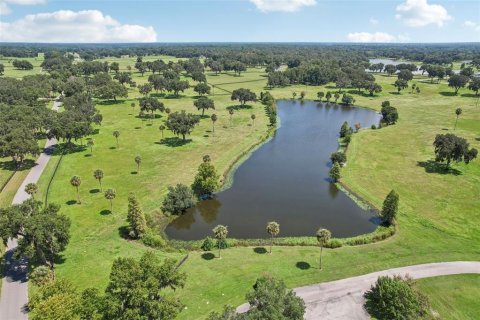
pixel 435 223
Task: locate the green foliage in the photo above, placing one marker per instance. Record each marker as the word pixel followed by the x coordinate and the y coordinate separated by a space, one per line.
pixel 181 123
pixel 206 180
pixel 338 156
pixel 208 244
pixel 202 88
pixel 136 218
pixel 271 300
pixel 389 113
pixel 457 81
pixel 153 240
pixel 390 207
pixel 405 75
pixel 204 103
pixel 394 298
pixel 347 99
pixel 41 275
pixel 243 95
pixel 42 231
pixel 136 289
pixel 56 300
pixel 400 84
pixel 31 189
pixel 449 147
pixel 334 173
pixel 178 199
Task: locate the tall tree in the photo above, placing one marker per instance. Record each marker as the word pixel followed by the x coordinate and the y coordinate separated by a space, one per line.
pixel 181 123
pixel 390 207
pixel 98 175
pixel 273 229
pixel 178 199
pixel 116 134
pixel 136 289
pixel 203 104
pixel 42 232
pixel 458 112
pixel 202 88
pixel 31 189
pixel 449 147
pixel 335 172
pixel 76 182
pixel 243 95
pixel 138 161
pixel 458 81
pixel 323 236
pixel 161 128
pixel 214 119
pixel 220 233
pixel 206 180
pixel 136 218
pixel 230 112
pixel 110 194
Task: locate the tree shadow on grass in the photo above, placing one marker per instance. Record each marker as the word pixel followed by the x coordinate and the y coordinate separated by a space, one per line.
pixel 260 250
pixel 110 102
pixel 208 256
pixel 133 172
pixel 123 232
pixel 239 107
pixel 65 148
pixel 448 94
pixel 92 191
pixel 71 202
pixel 88 155
pixel 60 259
pixel 302 265
pixel 105 212
pixel 469 95
pixel 12 166
pixel 138 128
pixel 478 138
pixel 435 167
pixel 173 142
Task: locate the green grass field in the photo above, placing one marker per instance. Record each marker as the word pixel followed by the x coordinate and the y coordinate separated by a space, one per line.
pixel 439 218
pixel 453 297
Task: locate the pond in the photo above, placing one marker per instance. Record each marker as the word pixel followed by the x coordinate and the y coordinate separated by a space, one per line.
pixel 286 180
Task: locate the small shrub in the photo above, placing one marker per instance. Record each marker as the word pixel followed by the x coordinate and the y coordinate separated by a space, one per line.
pixel 334 243
pixel 208 244
pixel 41 276
pixel 153 240
pixel 222 244
pixel 373 127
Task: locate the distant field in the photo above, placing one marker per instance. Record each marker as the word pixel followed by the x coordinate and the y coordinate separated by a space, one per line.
pixel 439 213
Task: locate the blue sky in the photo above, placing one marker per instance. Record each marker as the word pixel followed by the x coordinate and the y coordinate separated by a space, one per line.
pixel 240 21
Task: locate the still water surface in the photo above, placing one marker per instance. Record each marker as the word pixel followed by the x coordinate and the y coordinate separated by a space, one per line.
pixel 286 180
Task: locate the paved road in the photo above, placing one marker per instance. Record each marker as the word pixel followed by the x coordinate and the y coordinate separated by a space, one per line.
pixel 343 299
pixel 14 285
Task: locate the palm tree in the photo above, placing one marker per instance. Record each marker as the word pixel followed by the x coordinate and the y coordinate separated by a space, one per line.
pixel 253 119
pixel 90 143
pixel 110 194
pixel 31 189
pixel 323 236
pixel 231 116
pixel 161 128
pixel 336 95
pixel 138 160
pixel 167 111
pixel 458 112
pixel 214 118
pixel 116 134
pixel 221 233
pixel 133 106
pixel 76 182
pixel 273 229
pixel 98 174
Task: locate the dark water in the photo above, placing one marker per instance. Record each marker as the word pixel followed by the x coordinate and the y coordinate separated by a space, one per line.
pixel 286 180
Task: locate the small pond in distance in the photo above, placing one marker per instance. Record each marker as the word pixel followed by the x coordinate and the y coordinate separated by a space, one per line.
pixel 286 180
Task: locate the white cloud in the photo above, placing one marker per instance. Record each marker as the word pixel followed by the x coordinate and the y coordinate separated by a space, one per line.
pixel 5 9
pixel 403 37
pixel 70 26
pixel 370 37
pixel 418 13
pixel 374 21
pixel 282 5
pixel 471 24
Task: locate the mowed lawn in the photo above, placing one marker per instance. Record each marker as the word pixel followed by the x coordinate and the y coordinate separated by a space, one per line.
pixel 439 213
pixel 453 297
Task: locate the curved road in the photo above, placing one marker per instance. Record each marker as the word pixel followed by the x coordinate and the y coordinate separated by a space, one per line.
pixel 343 299
pixel 14 284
